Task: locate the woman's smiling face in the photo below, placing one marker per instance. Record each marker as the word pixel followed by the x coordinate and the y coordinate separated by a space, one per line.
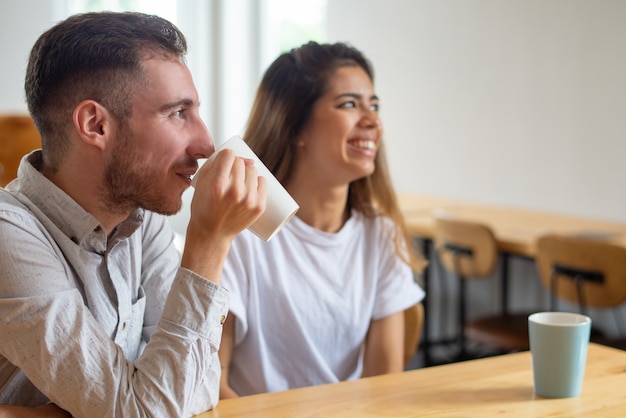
pixel 340 140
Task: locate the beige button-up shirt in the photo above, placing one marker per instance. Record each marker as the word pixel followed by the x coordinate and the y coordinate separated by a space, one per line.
pixel 100 325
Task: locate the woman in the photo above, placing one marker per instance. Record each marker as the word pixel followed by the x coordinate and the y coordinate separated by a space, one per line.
pixel 322 301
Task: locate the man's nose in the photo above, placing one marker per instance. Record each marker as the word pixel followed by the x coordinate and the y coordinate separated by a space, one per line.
pixel 202 145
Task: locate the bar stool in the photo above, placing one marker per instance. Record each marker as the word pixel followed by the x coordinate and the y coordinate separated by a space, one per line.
pixel 587 272
pixel 468 250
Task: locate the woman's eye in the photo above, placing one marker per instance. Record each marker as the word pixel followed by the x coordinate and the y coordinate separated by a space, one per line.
pixel 350 104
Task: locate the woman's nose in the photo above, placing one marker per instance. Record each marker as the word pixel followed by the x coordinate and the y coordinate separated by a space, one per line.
pixel 370 119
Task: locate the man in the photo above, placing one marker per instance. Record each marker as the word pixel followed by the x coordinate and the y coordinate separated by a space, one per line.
pixel 98 313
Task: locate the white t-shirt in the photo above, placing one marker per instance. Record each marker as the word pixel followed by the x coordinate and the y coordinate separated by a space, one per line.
pixel 303 302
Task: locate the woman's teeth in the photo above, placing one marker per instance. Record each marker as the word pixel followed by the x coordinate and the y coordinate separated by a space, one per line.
pixel 371 145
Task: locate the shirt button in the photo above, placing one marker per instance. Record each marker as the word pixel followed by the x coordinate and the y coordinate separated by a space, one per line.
pixel 123 326
pixel 222 319
pixel 98 229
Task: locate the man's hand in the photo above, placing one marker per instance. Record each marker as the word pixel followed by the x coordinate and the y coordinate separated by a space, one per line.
pixel 229 196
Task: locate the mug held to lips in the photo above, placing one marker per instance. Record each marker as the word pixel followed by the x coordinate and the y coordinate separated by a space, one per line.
pixel 280 206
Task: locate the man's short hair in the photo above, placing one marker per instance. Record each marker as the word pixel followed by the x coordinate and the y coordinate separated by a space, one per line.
pixel 92 56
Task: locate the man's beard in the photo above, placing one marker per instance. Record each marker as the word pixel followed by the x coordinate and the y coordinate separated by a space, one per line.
pixel 131 181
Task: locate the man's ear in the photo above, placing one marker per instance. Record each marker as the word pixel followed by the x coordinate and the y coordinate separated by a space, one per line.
pixel 93 123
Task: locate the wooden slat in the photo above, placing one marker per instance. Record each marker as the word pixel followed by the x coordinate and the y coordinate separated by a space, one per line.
pixel 18 136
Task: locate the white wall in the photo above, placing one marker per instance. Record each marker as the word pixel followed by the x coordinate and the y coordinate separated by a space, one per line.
pixel 512 102
pixel 21 23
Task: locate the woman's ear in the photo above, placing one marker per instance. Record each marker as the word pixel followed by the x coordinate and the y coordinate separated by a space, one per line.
pixel 93 123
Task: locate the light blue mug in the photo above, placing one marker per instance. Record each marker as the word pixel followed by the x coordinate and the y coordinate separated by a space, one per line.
pixel 558 345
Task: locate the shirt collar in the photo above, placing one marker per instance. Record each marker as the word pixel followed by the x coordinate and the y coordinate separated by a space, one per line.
pixel 61 209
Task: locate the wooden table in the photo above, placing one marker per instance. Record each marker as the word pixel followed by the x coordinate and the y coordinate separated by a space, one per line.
pixel 496 386
pixel 516 230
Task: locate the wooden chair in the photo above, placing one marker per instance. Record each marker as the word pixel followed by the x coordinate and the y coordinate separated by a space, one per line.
pixel 413 323
pixel 588 272
pixel 468 250
pixel 18 136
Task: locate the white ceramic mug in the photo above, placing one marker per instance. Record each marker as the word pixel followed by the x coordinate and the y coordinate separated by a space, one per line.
pixel 280 206
pixel 558 345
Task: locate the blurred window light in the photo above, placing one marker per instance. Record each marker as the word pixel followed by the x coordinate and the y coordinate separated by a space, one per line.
pixel 293 23
pixel 163 8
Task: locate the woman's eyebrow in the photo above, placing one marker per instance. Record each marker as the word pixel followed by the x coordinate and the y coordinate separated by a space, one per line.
pixel 354 96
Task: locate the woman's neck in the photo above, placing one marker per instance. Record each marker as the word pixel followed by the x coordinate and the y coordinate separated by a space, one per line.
pixel 323 208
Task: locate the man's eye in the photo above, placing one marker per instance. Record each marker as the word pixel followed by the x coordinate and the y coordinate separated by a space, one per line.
pixel 375 107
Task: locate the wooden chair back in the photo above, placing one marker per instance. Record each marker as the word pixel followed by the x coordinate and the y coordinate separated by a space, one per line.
pixel 466 248
pixel 569 264
pixel 18 136
pixel 413 323
pixel 469 250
